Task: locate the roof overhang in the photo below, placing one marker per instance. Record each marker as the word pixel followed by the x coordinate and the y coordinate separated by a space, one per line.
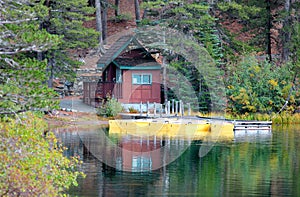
pixel 154 67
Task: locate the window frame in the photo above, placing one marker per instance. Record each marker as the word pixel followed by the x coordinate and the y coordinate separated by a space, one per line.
pixel 141 78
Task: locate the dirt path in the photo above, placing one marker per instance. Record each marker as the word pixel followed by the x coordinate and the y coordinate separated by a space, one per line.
pixel 74 112
pixel 75 104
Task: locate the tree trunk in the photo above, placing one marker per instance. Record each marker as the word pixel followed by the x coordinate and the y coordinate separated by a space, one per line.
pixel 50 67
pixel 137 11
pixel 92 3
pixel 99 25
pixel 117 10
pixel 145 14
pixel 286 33
pixel 164 65
pixel 104 21
pixel 269 26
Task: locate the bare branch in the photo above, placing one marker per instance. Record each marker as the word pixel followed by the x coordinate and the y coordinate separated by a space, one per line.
pixel 17 21
pixel 11 62
pixel 23 48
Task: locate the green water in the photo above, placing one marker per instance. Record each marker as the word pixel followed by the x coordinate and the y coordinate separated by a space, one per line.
pixel 254 165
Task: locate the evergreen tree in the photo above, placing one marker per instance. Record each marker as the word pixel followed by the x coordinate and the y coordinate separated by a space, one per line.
pixel 188 59
pixel 117 9
pixel 290 17
pixel 257 20
pixel 99 26
pixel 22 77
pixel 193 18
pixel 183 82
pixel 137 11
pixel 261 19
pixel 105 6
pixel 66 18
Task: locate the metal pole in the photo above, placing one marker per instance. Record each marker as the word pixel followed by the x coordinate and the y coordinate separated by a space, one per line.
pixel 173 102
pixel 141 110
pixel 168 108
pixel 148 108
pixel 180 107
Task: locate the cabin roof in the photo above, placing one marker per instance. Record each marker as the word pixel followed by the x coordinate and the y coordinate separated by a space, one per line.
pixel 113 54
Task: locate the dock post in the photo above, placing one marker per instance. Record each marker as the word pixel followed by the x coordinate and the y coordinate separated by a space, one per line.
pixel 160 110
pixel 148 108
pixel 154 112
pixel 173 103
pixel 176 106
pixel 189 109
pixel 180 107
pixel 168 108
pixel 141 110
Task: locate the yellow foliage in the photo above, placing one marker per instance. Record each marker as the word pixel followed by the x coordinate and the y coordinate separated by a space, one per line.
pixel 230 87
pixel 243 97
pixel 285 91
pixel 273 83
pixel 34 164
pixel 283 82
pixel 256 69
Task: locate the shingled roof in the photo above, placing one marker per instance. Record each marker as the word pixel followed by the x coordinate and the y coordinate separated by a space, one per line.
pixel 116 49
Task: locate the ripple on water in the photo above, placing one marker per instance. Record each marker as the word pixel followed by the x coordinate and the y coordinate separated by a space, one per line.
pixel 250 166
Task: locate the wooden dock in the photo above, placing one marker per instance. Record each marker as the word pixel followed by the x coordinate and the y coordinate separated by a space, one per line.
pixel 252 125
pixel 242 125
pixel 239 125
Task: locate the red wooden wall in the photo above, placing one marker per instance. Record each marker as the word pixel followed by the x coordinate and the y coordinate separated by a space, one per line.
pixel 141 93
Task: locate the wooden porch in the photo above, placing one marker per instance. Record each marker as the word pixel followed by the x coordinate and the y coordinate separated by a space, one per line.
pixel 95 92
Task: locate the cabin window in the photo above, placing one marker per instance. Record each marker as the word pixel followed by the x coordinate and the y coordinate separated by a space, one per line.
pixel 142 79
pixel 105 77
pixel 119 75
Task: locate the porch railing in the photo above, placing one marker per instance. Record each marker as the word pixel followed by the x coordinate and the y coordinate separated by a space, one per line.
pixel 94 92
pixel 112 89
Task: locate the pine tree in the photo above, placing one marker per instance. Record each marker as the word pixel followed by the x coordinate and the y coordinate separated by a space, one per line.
pixel 193 19
pixel 65 18
pixel 117 8
pixel 22 76
pixel 257 20
pixel 137 11
pixel 190 61
pixel 183 82
pixel 290 19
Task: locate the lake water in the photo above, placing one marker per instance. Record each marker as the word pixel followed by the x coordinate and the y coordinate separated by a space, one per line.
pixel 250 165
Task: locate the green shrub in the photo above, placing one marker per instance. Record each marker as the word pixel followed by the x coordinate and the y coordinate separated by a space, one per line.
pixel 32 161
pixel 133 110
pixel 122 17
pixel 259 87
pixel 110 108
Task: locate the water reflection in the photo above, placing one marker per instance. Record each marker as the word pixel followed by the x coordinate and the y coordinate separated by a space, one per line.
pixel 129 152
pixel 258 166
pixel 253 136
